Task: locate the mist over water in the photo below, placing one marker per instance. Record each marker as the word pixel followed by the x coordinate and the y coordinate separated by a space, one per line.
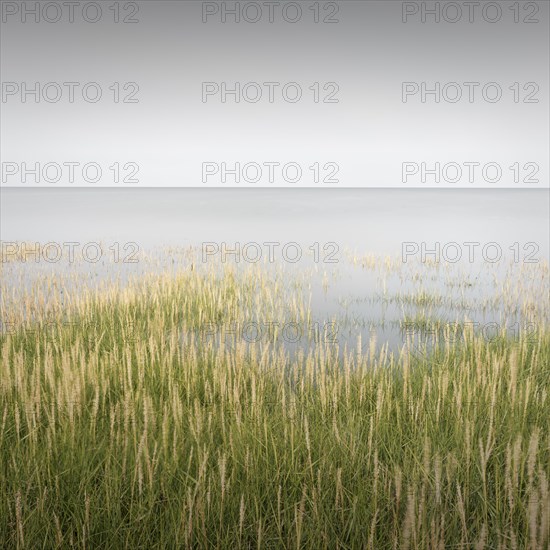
pixel 344 238
pixel 365 220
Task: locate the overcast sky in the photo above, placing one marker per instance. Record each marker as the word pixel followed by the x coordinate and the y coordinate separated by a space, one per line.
pixel 359 61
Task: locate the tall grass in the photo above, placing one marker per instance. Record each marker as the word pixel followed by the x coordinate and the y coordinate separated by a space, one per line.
pixel 120 429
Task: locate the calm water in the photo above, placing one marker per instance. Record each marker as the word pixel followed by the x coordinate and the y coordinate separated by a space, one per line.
pixel 369 220
pixel 349 297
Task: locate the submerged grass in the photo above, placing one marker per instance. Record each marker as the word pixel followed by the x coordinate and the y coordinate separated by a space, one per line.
pixel 112 437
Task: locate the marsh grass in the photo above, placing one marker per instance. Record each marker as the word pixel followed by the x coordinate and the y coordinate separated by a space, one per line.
pixel 115 433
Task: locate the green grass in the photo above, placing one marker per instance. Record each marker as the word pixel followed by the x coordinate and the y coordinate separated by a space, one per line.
pixel 144 438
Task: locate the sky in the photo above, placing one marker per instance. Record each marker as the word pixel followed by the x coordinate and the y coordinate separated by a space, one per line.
pixel 362 120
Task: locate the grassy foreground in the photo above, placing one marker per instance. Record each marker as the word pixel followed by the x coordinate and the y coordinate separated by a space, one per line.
pixel 119 429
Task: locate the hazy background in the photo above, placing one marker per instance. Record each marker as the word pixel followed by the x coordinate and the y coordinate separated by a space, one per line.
pixel 169 52
pixel 364 220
